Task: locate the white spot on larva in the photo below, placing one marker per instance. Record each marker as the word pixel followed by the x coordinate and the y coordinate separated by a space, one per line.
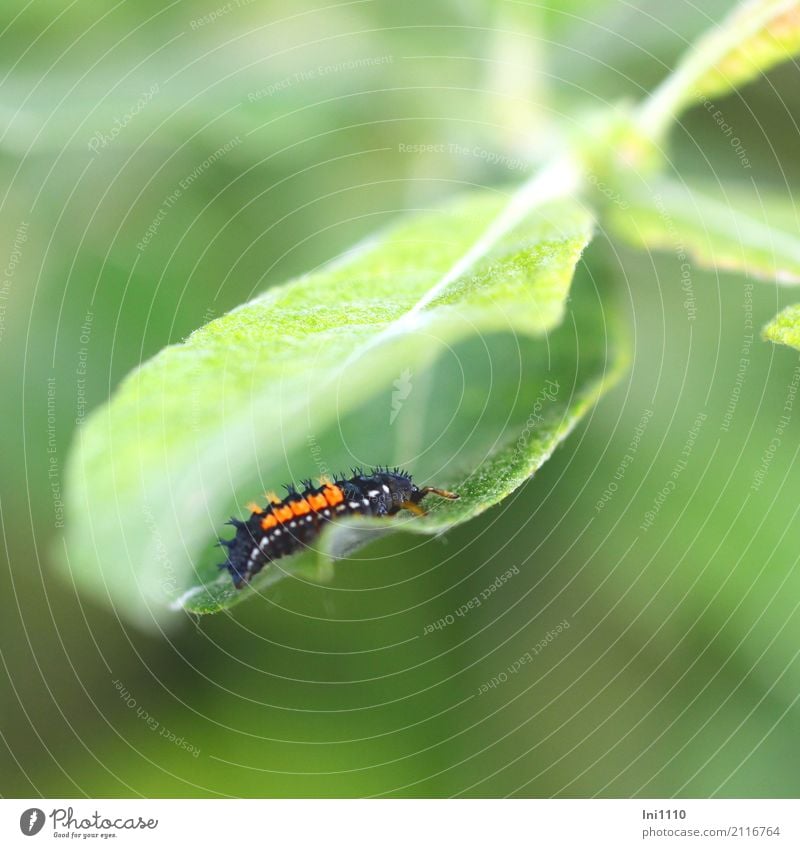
pixel 309 518
pixel 373 493
pixel 365 501
pixel 385 488
pixel 293 524
pixel 327 512
pixel 276 532
pixel 353 504
pixel 264 542
pixel 340 508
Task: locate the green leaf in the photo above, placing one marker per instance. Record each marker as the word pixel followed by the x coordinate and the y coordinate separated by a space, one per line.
pixel 465 299
pixel 740 230
pixel 553 408
pixel 784 328
pixel 755 36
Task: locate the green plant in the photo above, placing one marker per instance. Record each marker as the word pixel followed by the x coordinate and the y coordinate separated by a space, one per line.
pixel 474 300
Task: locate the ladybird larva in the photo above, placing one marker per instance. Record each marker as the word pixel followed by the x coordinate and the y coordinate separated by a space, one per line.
pixel 284 526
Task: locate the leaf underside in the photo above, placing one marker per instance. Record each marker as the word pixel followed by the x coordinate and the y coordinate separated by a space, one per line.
pixel 301 380
pixel 502 469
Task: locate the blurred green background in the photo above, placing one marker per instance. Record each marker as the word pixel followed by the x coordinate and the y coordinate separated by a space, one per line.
pixel 678 673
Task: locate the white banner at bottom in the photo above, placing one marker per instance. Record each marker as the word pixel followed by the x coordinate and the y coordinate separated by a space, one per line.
pixel 353 823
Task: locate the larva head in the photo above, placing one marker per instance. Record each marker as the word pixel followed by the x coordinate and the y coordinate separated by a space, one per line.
pixel 419 494
pixel 396 487
pixel 403 492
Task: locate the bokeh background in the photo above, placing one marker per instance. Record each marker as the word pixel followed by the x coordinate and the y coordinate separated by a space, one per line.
pixel 672 661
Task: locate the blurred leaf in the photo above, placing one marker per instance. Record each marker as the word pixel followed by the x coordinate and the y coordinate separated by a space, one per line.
pixel 734 231
pixel 770 33
pixel 755 36
pixel 784 328
pixel 204 424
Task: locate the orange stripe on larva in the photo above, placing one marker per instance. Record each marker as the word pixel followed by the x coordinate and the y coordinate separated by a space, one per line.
pixel 284 513
pixel 301 507
pixel 333 495
pixel 317 502
pixel 268 521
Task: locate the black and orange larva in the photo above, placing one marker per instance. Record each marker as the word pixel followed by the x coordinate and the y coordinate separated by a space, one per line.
pixel 284 526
